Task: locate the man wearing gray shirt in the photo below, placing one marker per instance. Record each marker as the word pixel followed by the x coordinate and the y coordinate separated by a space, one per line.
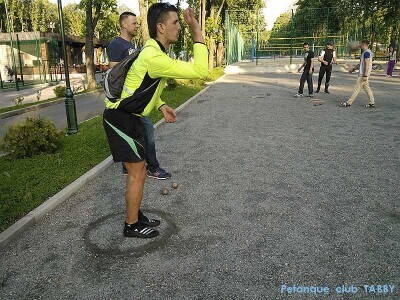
pixel 363 77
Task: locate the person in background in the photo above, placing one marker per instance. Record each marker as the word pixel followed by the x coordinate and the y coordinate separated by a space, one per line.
pixel 363 77
pixel 392 61
pixel 118 49
pixel 308 69
pixel 327 57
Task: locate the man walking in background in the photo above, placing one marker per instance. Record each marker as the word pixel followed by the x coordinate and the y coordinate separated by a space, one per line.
pixel 308 69
pixel 118 49
pixel 363 77
pixel 327 58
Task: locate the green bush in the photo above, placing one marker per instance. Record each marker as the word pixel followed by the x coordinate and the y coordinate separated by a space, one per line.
pixel 171 84
pixel 59 91
pixel 34 136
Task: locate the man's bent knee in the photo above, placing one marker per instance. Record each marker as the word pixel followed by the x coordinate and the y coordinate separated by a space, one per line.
pixel 136 170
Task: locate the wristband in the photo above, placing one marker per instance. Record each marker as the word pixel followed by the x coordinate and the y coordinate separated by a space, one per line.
pixel 159 109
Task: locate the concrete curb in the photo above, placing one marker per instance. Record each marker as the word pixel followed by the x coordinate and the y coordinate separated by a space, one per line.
pixel 35 215
pixel 21 111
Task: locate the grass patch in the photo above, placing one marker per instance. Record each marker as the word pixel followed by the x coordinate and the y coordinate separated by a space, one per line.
pixel 27 183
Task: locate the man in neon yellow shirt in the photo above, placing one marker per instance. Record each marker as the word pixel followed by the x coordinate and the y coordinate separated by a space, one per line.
pixel 143 86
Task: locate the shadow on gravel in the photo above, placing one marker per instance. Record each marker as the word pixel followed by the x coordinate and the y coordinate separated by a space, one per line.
pixel 100 236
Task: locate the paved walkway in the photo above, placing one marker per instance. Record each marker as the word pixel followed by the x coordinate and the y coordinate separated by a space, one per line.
pixel 87 106
pixel 29 93
pixel 272 190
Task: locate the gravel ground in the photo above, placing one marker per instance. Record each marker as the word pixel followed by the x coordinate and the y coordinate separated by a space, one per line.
pixel 272 190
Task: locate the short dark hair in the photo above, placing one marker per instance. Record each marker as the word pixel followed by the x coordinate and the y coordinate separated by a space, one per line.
pixel 125 15
pixel 306 44
pixel 329 43
pixel 156 14
pixel 366 42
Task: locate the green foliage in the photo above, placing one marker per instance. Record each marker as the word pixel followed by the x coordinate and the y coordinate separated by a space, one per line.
pixel 32 137
pixel 376 20
pixel 59 91
pixel 108 27
pixel 171 84
pixel 74 20
pixel 282 25
pixel 43 12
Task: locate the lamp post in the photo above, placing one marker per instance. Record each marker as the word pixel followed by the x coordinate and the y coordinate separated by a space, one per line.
pixel 69 96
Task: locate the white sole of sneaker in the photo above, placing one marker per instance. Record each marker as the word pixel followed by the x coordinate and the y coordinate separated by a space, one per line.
pixel 156 177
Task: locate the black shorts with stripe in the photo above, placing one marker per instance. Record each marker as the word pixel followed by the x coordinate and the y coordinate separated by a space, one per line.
pixel 125 134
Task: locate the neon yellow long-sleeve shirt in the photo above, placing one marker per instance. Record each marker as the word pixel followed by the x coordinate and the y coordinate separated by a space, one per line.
pixel 147 77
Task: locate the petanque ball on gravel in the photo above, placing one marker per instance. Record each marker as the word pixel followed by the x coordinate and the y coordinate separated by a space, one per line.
pixel 174 185
pixel 165 191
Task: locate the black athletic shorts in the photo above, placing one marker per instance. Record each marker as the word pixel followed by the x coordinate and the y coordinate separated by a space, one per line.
pixel 125 134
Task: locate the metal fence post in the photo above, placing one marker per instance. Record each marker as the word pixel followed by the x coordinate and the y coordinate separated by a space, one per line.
pixel 20 60
pixel 257 40
pixel 291 37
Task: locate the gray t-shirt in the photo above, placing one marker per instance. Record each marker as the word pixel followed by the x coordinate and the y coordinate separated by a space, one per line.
pixel 365 55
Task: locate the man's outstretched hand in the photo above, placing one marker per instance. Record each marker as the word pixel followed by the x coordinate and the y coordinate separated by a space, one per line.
pixel 169 114
pixel 190 19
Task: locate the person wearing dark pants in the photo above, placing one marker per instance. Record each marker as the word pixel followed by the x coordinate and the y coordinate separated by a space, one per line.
pixel 392 61
pixel 308 69
pixel 118 49
pixel 153 165
pixel 327 58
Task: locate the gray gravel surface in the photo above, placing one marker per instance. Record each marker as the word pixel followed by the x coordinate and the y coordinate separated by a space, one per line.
pixel 272 190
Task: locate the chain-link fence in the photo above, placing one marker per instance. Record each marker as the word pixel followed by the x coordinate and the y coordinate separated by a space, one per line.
pixel 246 39
pixel 241 35
pixel 27 59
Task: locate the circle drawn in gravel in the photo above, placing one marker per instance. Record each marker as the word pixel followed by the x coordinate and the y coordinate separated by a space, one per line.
pixel 104 236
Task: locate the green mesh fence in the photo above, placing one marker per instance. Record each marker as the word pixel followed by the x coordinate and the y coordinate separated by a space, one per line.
pixel 235 50
pixel 241 35
pixel 292 29
pixel 316 26
pixel 22 63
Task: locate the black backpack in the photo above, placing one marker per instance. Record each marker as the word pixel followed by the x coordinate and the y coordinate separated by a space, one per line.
pixel 114 78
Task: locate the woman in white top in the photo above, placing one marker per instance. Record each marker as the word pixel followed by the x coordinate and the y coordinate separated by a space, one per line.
pixel 392 61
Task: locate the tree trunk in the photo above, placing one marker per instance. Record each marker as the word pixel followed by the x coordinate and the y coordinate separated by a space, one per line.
pixel 211 55
pixel 89 49
pixel 220 54
pixel 200 12
pixel 203 17
pixel 211 45
pixel 143 20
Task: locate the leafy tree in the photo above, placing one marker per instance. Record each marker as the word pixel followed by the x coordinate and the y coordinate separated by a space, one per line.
pixel 43 12
pixel 74 20
pixel 95 10
pixel 108 27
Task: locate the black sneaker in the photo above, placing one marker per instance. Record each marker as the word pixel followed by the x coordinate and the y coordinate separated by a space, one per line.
pixel 139 230
pixel 159 174
pixel 317 90
pixel 147 221
pixel 370 106
pixel 310 96
pixel 124 169
pixel 327 92
pixel 344 104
